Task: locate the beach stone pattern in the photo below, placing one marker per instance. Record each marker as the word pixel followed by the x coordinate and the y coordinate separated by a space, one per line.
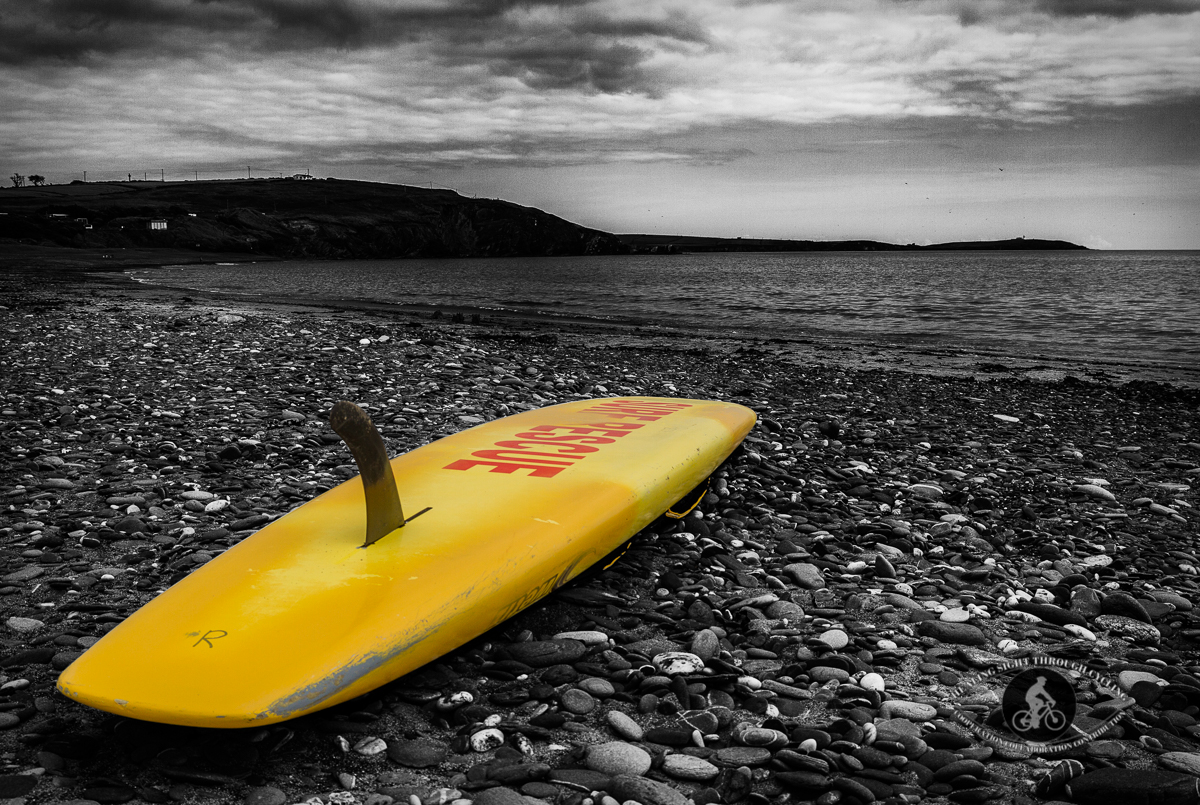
pixel 881 537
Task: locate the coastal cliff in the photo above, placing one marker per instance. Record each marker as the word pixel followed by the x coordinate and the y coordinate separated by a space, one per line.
pixel 143 222
pixel 289 218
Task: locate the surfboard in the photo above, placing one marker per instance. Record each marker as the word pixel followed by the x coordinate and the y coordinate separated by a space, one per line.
pixel 309 611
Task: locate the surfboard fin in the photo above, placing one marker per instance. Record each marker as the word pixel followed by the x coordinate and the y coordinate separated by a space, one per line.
pixel 384 512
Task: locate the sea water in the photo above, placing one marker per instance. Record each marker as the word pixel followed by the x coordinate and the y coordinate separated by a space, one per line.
pixel 1137 310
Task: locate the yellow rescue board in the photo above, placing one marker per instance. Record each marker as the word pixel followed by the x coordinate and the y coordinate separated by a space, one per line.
pixel 299 617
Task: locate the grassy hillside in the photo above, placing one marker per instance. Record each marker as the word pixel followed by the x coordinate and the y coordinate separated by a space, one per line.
pixel 319 218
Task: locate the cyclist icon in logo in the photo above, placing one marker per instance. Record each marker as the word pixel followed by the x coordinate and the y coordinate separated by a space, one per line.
pixel 1039 704
pixel 1040 712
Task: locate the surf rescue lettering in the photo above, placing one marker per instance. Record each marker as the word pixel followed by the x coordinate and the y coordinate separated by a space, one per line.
pixel 547 450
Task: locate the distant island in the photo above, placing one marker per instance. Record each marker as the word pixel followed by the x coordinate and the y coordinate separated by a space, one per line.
pixel 680 244
pixel 299 217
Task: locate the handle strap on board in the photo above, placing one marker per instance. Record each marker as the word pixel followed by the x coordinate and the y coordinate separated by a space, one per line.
pixel 384 512
pixel 688 502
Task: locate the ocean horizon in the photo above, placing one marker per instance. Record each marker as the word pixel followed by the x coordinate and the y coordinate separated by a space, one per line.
pixel 1131 314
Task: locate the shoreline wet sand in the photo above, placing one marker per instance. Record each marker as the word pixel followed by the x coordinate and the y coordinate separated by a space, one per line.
pixel 933 357
pixel 885 532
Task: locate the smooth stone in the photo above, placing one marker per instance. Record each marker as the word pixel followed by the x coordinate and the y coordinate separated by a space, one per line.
pixel 561 674
pixel 370 747
pixel 1094 561
pixel 597 686
pixel 1186 762
pixel 486 740
pixel 264 795
pixel 1081 632
pixel 896 728
pixel 130 525
pixel 873 681
pixel 580 778
pixel 1157 610
pixel 27 573
pixel 1134 787
pixel 958 768
pixel 807 576
pixel 1180 603
pixel 760 737
pixel 1146 693
pixel 785 609
pixel 676 734
pixel 1085 602
pixel 707 721
pixel 9 720
pixel 503 796
pixel 652 647
pixel 16 785
pixel 196 494
pixel 1127 679
pixel 18 624
pixel 883 568
pixel 1107 750
pixel 625 787
pixel 678 662
pixel 544 653
pixel 518 773
pixel 1128 627
pixel 913 711
pixel 809 782
pixel 1125 605
pixel 825 673
pixel 576 701
pixel 705 644
pixel 956 615
pixel 836 639
pixel 617 757
pixel 589 637
pixel 1051 613
pixel 62 659
pixel 686 767
pixel 417 754
pixel 960 633
pixel 624 726
pixel 742 756
pixel 109 793
pixel 927 491
pixel 901 601
pixel 1098 492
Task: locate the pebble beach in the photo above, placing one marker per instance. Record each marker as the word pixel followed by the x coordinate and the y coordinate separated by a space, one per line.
pixel 886 539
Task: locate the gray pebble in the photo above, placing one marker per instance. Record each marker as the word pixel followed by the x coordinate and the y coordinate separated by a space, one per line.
pixel 617 757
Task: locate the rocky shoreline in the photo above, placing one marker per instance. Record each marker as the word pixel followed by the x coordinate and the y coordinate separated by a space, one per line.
pixel 884 538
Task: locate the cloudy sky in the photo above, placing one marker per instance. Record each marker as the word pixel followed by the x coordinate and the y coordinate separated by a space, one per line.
pixel 898 120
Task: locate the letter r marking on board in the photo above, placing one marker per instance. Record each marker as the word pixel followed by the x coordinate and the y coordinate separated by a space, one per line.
pixel 209 636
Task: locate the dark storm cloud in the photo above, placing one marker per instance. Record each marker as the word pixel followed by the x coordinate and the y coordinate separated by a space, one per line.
pixel 546 44
pixel 1116 8
pixel 32 30
pixel 580 63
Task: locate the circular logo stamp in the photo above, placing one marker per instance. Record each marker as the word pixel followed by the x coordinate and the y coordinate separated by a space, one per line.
pixel 1038 705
